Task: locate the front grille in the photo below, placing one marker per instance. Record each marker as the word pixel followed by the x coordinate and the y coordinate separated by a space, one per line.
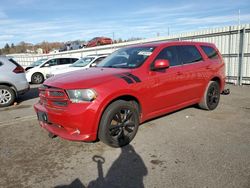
pixel 54 97
pixel 56 93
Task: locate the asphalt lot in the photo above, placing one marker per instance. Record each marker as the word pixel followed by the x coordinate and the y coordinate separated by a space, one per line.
pixel 187 148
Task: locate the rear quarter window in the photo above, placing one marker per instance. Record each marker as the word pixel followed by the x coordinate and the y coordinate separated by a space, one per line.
pixel 189 54
pixel 14 62
pixel 210 52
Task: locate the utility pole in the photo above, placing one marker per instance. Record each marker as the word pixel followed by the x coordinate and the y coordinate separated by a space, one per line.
pixel 239 17
pixel 113 35
pixel 239 43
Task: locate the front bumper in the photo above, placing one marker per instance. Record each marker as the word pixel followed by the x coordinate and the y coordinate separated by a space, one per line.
pixel 49 76
pixel 75 122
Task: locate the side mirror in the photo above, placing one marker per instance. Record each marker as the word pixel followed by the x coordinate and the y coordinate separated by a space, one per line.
pixel 46 65
pixel 160 64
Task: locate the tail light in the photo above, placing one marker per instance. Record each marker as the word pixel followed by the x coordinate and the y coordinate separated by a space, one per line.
pixel 18 69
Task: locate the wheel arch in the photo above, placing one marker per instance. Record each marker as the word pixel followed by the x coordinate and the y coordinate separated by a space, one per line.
pixel 219 80
pixel 126 97
pixel 37 72
pixel 11 86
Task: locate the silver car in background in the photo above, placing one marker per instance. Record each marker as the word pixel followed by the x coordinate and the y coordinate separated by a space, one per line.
pixel 12 81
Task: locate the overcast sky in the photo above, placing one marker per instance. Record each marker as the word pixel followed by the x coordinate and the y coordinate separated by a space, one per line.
pixel 35 21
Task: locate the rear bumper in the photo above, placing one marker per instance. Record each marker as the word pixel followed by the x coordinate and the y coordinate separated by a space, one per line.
pixel 75 122
pixel 21 86
pixel 21 92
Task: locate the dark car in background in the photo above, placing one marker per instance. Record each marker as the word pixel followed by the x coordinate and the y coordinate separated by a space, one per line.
pixel 74 45
pixel 98 41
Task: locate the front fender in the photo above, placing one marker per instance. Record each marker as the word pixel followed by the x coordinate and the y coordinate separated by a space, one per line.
pixel 107 100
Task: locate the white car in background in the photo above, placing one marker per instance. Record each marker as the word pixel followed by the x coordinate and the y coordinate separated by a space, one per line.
pixel 82 63
pixel 36 63
pixel 37 74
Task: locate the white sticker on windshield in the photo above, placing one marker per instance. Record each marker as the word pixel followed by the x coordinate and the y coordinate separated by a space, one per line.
pixel 144 53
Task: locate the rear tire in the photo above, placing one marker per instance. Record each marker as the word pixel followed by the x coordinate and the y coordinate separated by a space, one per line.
pixel 211 97
pixel 37 78
pixel 119 123
pixel 7 96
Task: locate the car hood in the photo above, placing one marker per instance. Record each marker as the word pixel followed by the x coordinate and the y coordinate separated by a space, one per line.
pixel 28 67
pixel 85 78
pixel 33 69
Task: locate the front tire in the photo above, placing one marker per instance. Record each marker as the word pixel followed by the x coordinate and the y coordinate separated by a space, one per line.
pixel 211 96
pixel 37 78
pixel 119 123
pixel 7 96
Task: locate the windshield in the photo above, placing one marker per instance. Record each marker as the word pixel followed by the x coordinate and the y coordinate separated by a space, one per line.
pixel 38 62
pixel 82 62
pixel 132 57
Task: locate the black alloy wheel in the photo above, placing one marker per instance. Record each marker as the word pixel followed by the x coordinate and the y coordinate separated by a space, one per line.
pixel 119 123
pixel 211 97
pixel 122 124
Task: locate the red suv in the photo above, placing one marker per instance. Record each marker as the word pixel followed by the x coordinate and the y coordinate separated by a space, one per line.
pixel 98 41
pixel 130 86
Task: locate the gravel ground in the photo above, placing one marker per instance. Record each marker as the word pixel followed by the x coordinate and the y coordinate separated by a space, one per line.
pixel 187 148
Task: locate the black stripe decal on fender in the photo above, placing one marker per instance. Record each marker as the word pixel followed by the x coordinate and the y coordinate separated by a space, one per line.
pixel 135 78
pixel 127 79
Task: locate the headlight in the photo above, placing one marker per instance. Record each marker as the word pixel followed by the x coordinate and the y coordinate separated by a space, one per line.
pixel 81 95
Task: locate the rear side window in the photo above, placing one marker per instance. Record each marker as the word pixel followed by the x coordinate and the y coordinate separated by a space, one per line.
pixel 170 54
pixel 210 52
pixel 14 62
pixel 189 54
